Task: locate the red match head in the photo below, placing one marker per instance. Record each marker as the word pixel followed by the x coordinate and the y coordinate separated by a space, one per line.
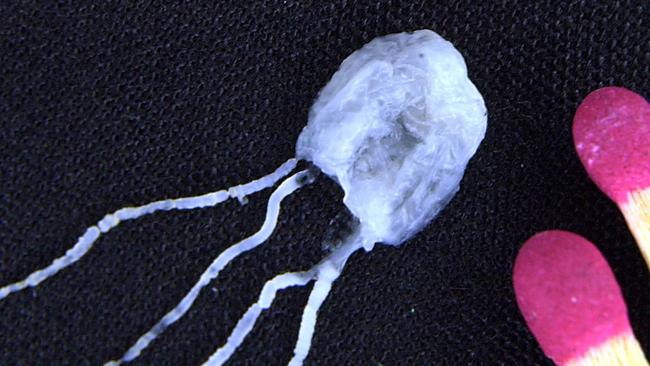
pixel 611 132
pixel 568 295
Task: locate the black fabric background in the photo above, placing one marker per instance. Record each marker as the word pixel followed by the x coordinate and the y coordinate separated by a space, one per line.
pixel 104 105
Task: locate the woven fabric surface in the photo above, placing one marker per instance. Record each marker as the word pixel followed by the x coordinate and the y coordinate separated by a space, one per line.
pixel 109 104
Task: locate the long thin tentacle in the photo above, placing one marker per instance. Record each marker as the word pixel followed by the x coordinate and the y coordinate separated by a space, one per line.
pixel 111 220
pixel 326 272
pixel 272 211
pixel 317 296
pixel 247 321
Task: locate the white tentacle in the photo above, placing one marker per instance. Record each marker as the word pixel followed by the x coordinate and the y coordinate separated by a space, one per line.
pixel 248 320
pixel 317 297
pixel 111 220
pixel 325 273
pixel 272 211
pixel 328 271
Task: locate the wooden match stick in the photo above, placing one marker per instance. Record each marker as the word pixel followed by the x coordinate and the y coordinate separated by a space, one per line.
pixel 611 132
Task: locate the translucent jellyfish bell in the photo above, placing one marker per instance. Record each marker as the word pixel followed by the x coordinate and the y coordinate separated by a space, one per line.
pixel 395 127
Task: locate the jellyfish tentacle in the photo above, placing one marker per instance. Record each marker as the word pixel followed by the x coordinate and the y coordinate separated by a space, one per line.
pixel 287 187
pixel 317 296
pixel 264 182
pixel 248 320
pixel 325 273
pixel 111 220
pixel 328 271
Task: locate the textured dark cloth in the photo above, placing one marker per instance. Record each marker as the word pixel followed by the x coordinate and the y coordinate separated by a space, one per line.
pixel 105 105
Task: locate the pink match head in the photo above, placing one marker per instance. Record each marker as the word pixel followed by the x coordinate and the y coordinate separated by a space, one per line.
pixel 568 295
pixel 611 132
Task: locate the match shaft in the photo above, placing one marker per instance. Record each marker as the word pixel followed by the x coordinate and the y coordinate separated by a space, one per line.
pixel 637 214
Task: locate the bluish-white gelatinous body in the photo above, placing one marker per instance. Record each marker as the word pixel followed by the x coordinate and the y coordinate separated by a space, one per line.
pixel 395 127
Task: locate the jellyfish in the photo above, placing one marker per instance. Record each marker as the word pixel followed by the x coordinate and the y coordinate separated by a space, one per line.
pixel 395 128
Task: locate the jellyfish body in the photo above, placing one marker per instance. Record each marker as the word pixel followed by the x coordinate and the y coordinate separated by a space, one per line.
pixel 395 127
